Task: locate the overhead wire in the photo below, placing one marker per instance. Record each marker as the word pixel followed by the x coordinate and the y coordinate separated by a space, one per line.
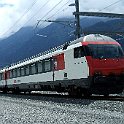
pixel 37 12
pixel 49 12
pixel 67 7
pixel 18 20
pixel 60 9
pixel 99 10
pixel 110 5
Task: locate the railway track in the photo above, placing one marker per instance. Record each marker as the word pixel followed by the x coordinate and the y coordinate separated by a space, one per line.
pixel 109 98
pixel 38 95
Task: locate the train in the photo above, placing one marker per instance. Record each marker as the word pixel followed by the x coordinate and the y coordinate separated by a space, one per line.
pixel 92 64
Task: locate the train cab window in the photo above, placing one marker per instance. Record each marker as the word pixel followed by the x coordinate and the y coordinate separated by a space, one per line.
pixel 103 51
pixel 22 71
pixel 33 68
pixel 40 68
pixel 78 52
pixel 27 70
pixel 18 72
pixel 47 65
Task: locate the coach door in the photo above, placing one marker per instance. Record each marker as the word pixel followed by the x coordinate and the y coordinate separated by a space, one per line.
pixel 76 63
pixel 80 62
pixel 58 66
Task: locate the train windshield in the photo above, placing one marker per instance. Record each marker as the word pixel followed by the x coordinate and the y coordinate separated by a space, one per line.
pixel 105 51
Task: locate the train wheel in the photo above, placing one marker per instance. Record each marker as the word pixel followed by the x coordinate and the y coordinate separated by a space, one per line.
pixel 106 95
pixel 86 93
pixel 4 91
pixel 29 92
pixel 75 92
pixel 16 90
pixel 79 92
pixel 71 93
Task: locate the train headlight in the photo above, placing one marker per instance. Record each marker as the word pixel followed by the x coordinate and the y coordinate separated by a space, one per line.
pixel 122 72
pixel 98 73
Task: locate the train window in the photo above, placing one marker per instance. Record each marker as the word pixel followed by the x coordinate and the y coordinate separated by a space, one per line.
pixel 106 51
pixel 47 65
pixel 0 76
pixel 33 68
pixel 22 71
pixel 27 70
pixel 78 52
pixel 14 73
pixel 18 72
pixel 10 73
pixel 40 68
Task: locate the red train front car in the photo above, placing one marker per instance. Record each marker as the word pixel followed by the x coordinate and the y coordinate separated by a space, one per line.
pixel 105 59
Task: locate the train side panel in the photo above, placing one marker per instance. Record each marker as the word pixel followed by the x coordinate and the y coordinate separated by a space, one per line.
pixel 76 68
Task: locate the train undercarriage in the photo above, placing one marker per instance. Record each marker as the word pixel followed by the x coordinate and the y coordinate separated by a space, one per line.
pixel 93 85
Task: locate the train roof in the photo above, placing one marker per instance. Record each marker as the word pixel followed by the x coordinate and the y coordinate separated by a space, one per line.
pixel 98 37
pixel 93 38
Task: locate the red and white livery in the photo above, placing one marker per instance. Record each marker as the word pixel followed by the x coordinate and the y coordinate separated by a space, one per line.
pixel 93 64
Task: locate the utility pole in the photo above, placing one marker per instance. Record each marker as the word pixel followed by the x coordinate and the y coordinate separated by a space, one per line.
pixel 77 17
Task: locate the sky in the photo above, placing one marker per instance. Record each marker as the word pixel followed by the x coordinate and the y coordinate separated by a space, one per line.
pixel 15 14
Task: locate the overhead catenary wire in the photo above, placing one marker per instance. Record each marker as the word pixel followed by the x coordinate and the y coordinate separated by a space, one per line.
pixel 35 32
pixel 60 9
pixel 110 5
pixel 37 12
pixel 44 15
pixel 20 18
pixel 48 13
pixel 99 10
